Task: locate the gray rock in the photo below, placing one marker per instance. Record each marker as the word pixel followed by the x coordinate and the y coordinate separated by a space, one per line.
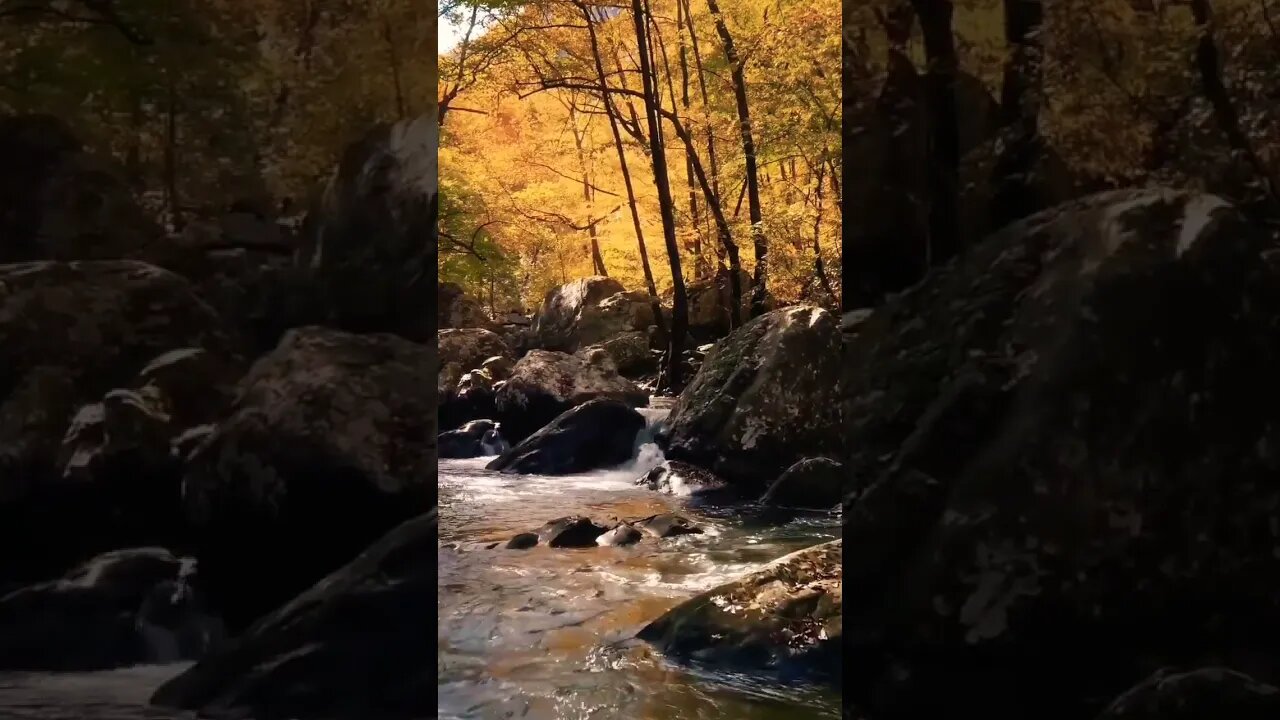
pixel 544 384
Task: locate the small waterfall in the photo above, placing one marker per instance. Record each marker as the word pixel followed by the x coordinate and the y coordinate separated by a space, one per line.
pixel 646 454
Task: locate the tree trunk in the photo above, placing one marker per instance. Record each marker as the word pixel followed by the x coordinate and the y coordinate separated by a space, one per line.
pixel 679 303
pixel 397 85
pixel 1209 67
pixel 699 262
pixel 597 260
pixel 944 167
pixel 1013 176
pixel 612 113
pixel 171 151
pixel 759 291
pixel 722 251
pixel 819 270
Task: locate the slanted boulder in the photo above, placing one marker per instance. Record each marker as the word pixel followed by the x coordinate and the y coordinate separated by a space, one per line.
pixel 356 644
pixel 784 618
pixel 330 443
pixel 473 439
pixel 367 238
pixel 545 384
pixel 598 433
pixel 122 608
pixel 70 334
pixel 762 400
pixel 1069 441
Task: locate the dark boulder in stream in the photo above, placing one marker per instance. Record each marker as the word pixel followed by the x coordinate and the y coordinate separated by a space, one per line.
pixel 570 532
pixel 683 479
pixel 812 483
pixel 597 434
pixel 1072 438
pixel 1212 692
pixel 784 618
pixel 119 609
pixel 762 400
pixel 355 645
pixel 666 525
pixel 623 534
pixel 331 442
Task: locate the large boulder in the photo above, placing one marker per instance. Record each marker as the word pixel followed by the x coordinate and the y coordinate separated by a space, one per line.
pixel 469 347
pixel 125 607
pixel 545 384
pixel 70 335
pixel 58 202
pixel 598 433
pixel 331 442
pixel 588 311
pixel 455 309
pixel 812 483
pixel 763 399
pixel 1068 441
pixel 357 644
pixel 784 618
pixel 368 241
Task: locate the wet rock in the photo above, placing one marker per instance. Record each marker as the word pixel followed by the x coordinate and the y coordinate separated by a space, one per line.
pixel 762 399
pixel 1204 693
pixel 812 483
pixel 784 618
pixel 543 385
pixel 522 541
pixel 619 536
pixel 121 608
pixel 58 202
pixel 329 425
pixel 364 239
pixel 70 334
pixel 685 480
pixel 570 532
pixel 1069 442
pixel 599 433
pixel 666 525
pixel 474 439
pixel 589 311
pixel 455 309
pixel 303 660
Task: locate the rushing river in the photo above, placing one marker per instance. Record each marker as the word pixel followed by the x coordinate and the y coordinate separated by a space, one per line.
pixel 546 634
pixel 108 695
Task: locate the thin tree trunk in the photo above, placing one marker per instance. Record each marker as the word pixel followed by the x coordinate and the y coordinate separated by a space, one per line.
pixel 722 251
pixel 597 260
pixel 401 111
pixel 819 270
pixel 760 289
pixel 612 113
pixel 679 303
pixel 1013 182
pixel 1209 66
pixel 699 263
pixel 940 52
pixel 171 150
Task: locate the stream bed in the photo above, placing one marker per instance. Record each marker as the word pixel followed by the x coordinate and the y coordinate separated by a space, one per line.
pixel 547 633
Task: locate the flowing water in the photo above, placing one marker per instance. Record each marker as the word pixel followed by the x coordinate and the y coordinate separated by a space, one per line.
pixel 107 695
pixel 547 634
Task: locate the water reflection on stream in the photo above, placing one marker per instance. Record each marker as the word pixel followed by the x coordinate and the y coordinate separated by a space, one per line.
pixel 545 634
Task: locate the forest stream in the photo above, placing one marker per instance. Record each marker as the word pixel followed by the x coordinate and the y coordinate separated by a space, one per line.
pixel 548 633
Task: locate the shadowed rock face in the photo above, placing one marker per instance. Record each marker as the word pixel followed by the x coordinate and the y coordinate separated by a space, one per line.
pixel 599 433
pixel 1069 437
pixel 784 618
pixel 369 240
pixel 70 334
pixel 330 443
pixel 763 399
pixel 357 644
